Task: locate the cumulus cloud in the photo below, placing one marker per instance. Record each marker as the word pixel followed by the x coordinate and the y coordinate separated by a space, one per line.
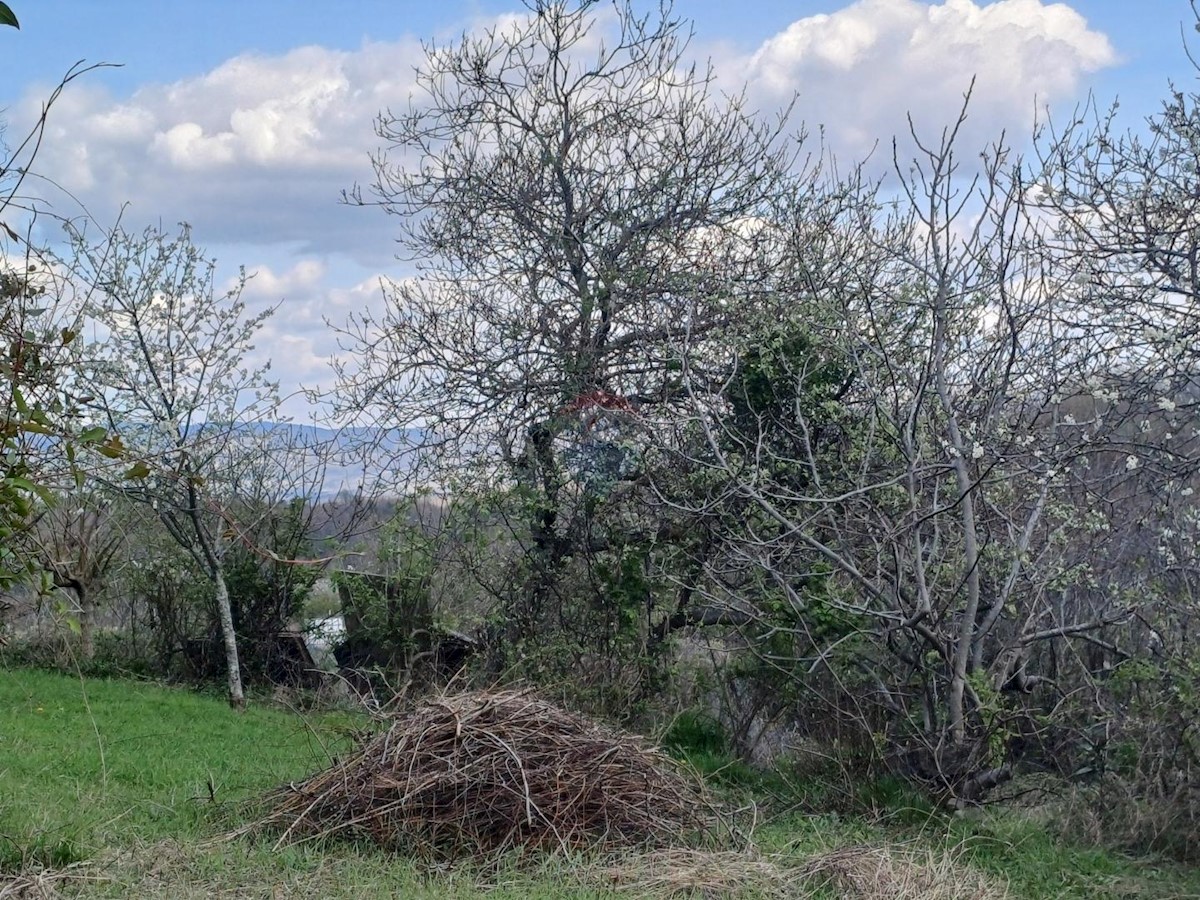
pixel 266 284
pixel 256 150
pixel 297 338
pixel 861 70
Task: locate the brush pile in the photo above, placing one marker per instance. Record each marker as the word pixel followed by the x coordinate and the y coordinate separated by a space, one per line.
pixel 478 773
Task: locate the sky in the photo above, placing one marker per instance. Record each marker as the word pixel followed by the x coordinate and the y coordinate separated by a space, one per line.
pixel 247 118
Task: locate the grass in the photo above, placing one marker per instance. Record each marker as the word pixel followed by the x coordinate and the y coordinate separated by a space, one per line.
pixel 86 765
pixel 121 788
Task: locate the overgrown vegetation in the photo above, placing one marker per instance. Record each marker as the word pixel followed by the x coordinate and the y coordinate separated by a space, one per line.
pixel 876 501
pixel 887 459
pixel 138 784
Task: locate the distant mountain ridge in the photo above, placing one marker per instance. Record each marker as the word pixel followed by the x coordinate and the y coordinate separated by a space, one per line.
pixel 354 452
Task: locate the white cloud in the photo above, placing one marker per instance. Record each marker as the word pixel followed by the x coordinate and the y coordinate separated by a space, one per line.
pixel 861 70
pixel 296 338
pixel 258 149
pixel 255 151
pixel 186 146
pixel 267 284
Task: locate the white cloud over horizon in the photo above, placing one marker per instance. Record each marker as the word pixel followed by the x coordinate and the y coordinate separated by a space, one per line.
pixel 298 337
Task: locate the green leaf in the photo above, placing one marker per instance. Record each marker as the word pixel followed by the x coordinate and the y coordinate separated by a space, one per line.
pixel 93 435
pixel 77 474
pixel 68 335
pixel 138 470
pixel 20 483
pixel 7 17
pixel 113 448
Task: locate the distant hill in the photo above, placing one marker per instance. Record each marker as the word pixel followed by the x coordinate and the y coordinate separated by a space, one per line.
pixel 350 453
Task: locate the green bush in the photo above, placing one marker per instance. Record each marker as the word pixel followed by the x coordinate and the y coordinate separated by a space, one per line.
pixel 116 655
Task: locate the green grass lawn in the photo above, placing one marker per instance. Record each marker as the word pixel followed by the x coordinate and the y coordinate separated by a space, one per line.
pixel 87 765
pixel 125 789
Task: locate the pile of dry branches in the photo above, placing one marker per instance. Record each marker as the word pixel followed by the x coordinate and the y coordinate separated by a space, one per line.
pixel 481 772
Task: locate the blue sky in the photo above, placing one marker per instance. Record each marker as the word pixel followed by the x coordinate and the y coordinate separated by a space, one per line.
pixel 247 117
pixel 164 40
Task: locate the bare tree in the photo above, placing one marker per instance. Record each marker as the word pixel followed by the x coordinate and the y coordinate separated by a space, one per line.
pixel 577 197
pixel 926 468
pixel 80 542
pixel 563 191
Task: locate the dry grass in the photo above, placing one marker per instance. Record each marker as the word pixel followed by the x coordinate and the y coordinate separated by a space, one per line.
pixel 853 873
pixel 481 773
pixel 901 873
pixel 42 884
pixel 704 873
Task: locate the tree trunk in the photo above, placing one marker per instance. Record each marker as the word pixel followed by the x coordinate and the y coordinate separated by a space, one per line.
pixel 87 626
pixel 960 666
pixel 237 699
pixel 549 549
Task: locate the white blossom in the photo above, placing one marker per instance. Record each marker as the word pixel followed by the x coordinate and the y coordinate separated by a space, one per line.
pixel 1131 463
pixel 1167 404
